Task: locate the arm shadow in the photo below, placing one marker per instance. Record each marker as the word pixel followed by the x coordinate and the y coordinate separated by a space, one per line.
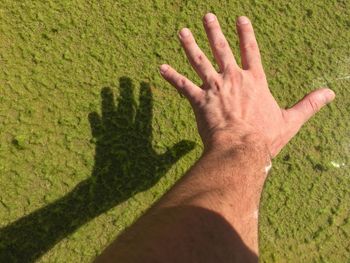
pixel 125 164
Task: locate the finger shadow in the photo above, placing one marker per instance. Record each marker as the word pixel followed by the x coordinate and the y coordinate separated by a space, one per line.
pixel 125 164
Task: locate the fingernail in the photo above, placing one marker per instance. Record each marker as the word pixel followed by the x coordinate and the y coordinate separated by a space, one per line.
pixel 209 17
pixel 163 68
pixel 242 20
pixel 184 32
pixel 329 95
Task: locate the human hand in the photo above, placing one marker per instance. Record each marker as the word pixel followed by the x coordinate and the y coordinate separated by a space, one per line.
pixel 236 102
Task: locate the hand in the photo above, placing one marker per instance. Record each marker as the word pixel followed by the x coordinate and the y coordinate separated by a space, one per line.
pixel 125 161
pixel 237 101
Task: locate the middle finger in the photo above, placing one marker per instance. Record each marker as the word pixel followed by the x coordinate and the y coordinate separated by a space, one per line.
pixel 218 43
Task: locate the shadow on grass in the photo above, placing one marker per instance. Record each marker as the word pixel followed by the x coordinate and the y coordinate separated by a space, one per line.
pixel 125 164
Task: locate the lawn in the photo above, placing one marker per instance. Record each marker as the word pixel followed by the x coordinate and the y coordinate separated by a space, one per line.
pixel 91 135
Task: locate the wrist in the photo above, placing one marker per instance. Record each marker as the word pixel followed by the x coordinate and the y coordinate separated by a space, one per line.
pixel 233 140
pixel 240 151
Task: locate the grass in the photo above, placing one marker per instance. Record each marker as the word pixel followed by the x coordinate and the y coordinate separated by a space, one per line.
pixel 79 162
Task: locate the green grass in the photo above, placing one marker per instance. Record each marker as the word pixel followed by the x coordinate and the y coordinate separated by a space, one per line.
pixel 79 162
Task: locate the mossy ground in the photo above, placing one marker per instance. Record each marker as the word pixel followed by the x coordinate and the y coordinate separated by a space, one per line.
pixel 57 56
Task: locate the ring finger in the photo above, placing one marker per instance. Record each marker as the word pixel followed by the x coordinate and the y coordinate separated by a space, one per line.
pixel 195 55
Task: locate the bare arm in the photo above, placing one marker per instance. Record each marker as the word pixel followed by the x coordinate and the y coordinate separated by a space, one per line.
pixel 211 214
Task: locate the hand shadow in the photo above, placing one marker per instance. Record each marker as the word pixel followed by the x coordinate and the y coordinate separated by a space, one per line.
pixel 125 164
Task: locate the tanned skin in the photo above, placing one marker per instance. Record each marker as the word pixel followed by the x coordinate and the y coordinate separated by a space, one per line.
pixel 211 214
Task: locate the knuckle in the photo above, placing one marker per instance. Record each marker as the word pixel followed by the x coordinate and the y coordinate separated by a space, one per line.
pixel 314 106
pixel 259 74
pixel 197 102
pixel 198 59
pixel 229 70
pixel 207 77
pixel 220 44
pixel 250 46
pixel 182 82
pixel 216 84
pixel 236 77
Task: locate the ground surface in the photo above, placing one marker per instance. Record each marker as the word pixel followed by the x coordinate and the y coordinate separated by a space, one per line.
pixel 71 180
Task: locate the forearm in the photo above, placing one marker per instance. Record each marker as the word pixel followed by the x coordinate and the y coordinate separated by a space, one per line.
pixel 209 215
pixel 227 181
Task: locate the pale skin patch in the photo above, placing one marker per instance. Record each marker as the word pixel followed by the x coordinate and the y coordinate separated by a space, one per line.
pixel 256 214
pixel 268 168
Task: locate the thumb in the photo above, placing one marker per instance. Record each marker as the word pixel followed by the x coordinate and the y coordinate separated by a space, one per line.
pixel 310 104
pixel 173 154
